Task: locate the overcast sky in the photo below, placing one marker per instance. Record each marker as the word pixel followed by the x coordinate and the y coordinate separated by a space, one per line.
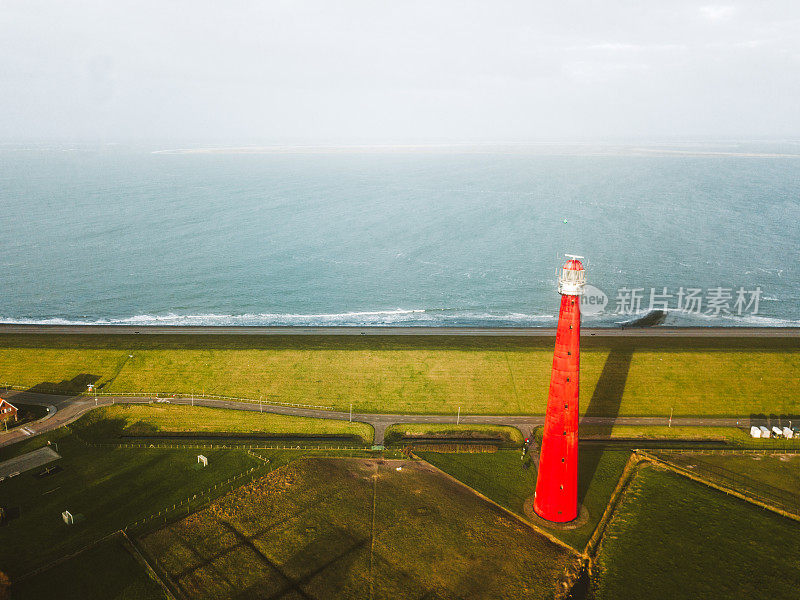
pixel 404 71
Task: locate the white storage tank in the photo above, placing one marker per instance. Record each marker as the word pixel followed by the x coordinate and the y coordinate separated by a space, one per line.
pixel 755 431
pixel 777 431
pixel 788 433
pixel 764 432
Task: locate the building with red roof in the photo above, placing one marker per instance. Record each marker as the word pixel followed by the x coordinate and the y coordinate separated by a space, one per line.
pixel 7 411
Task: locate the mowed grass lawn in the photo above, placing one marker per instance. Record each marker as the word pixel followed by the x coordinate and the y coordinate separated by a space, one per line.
pixel 356 529
pixel 150 419
pixel 481 375
pixel 730 435
pixel 673 538
pixel 502 477
pixel 106 489
pixel 777 471
pixel 106 571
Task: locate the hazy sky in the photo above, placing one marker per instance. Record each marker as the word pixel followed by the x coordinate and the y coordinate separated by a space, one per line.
pixel 405 71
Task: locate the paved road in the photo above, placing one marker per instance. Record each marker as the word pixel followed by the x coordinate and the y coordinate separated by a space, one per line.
pixel 66 409
pixel 705 332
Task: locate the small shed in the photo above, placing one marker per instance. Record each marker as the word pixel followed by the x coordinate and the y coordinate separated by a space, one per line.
pixel 764 431
pixel 202 460
pixel 8 411
pixel 788 433
pixel 777 431
pixel 755 431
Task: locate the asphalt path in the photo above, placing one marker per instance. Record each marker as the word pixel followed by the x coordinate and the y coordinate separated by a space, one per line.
pixel 66 409
pixel 704 332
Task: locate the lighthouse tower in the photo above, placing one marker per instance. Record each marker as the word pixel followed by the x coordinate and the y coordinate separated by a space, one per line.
pixel 556 496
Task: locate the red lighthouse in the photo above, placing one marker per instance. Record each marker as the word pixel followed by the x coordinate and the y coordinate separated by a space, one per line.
pixel 556 496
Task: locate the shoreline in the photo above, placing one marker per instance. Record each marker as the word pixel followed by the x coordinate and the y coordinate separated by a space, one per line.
pixel 289 330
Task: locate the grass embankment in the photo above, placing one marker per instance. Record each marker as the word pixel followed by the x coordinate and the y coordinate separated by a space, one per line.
pixel 509 437
pixel 503 478
pixel 482 375
pixel 104 572
pixel 675 538
pixel 111 422
pixel 356 529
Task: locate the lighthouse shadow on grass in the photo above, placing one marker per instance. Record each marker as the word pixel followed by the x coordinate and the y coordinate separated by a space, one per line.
pixel 605 402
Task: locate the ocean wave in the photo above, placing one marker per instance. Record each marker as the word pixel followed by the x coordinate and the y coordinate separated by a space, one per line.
pixel 406 318
pixel 679 318
pixel 399 316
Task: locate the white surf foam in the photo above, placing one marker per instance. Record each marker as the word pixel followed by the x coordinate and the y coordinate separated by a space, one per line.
pixel 407 317
pixel 399 316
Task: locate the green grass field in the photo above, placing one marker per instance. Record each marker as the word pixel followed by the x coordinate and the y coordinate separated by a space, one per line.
pixel 149 419
pixel 105 489
pixel 632 376
pixel 104 572
pixel 772 479
pixel 329 528
pixel 735 436
pixel 779 471
pixel 508 436
pixel 501 477
pixel 673 538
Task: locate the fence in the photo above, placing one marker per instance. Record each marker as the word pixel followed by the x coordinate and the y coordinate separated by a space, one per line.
pixel 760 491
pixel 158 395
pixel 202 497
pixel 225 446
pixel 780 447
pixel 452 448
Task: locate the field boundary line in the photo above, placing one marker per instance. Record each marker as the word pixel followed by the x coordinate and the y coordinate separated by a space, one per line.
pixel 505 510
pixel 372 533
pixel 189 444
pixel 790 449
pixel 254 455
pixel 250 473
pixel 719 486
pixel 228 446
pixel 156 396
pixel 206 492
pixel 61 559
pixel 142 560
pixel 616 498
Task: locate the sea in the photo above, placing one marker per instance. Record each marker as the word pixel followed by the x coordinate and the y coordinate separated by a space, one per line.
pixel 154 234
